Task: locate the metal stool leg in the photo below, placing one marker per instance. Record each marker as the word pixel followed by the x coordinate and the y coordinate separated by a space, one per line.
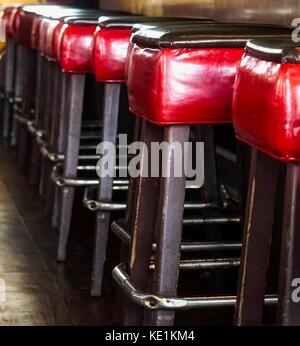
pixel 289 308
pixel 28 91
pixel 128 220
pixel 19 76
pixel 9 86
pixel 168 227
pixel 258 228
pixel 35 156
pixel 54 119
pixel 60 138
pixel 75 101
pixel 146 190
pixel 110 128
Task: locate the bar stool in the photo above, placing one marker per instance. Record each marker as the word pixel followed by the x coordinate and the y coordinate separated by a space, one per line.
pixel 18 66
pixel 176 79
pixel 266 117
pixel 74 61
pixel 40 26
pixel 8 19
pixel 27 78
pixel 108 60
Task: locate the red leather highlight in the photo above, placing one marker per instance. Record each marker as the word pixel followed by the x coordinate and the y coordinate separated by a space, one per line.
pixel 49 47
pixel 7 13
pixel 16 24
pixel 35 30
pixel 182 86
pixel 76 48
pixel 266 107
pixel 12 24
pixel 56 40
pixel 109 54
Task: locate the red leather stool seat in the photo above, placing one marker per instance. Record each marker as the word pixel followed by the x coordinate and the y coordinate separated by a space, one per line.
pixel 27 15
pixel 57 26
pixel 76 45
pixel 186 76
pixel 266 107
pixel 111 44
pixel 7 13
pixel 13 22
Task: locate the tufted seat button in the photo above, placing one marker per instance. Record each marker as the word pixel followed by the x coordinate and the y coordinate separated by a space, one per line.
pixel 112 39
pixel 270 120
pixel 186 76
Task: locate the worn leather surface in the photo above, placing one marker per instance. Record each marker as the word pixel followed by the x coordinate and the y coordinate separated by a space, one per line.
pixel 266 106
pixel 283 51
pixel 112 40
pixel 214 35
pixel 130 21
pixel 7 13
pixel 75 48
pixel 187 85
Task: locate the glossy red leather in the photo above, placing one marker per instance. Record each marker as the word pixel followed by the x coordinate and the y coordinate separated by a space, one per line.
pixel 26 22
pixel 182 86
pixel 56 40
pixel 16 24
pixel 46 30
pixel 266 107
pixel 76 48
pixel 7 13
pixel 35 30
pixel 109 54
pixel 13 21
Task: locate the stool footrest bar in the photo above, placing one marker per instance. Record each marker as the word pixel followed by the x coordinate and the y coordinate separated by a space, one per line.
pixel 156 302
pixel 120 230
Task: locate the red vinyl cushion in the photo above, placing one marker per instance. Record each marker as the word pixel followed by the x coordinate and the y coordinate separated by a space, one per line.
pixel 7 13
pixel 109 54
pixel 182 86
pixel 46 32
pixel 26 22
pixel 266 107
pixel 16 24
pixel 13 23
pixel 35 30
pixel 57 37
pixel 76 47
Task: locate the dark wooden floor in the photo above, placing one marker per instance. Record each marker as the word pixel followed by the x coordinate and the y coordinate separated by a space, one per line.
pixel 38 290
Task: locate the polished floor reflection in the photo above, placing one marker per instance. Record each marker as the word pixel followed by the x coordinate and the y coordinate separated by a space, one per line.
pixel 34 289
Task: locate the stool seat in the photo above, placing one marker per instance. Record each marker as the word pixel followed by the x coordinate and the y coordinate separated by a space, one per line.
pixel 75 46
pixel 14 23
pixel 48 25
pixel 186 75
pixel 34 22
pixel 270 119
pixel 111 43
pixel 7 13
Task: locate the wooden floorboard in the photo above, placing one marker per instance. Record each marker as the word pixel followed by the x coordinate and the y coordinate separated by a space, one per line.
pixel 39 291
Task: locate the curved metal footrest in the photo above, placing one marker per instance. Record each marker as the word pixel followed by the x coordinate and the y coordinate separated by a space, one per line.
pixel 51 156
pixel 61 181
pixel 156 302
pixel 9 96
pixel 23 120
pixel 39 134
pixel 94 205
pixel 120 230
